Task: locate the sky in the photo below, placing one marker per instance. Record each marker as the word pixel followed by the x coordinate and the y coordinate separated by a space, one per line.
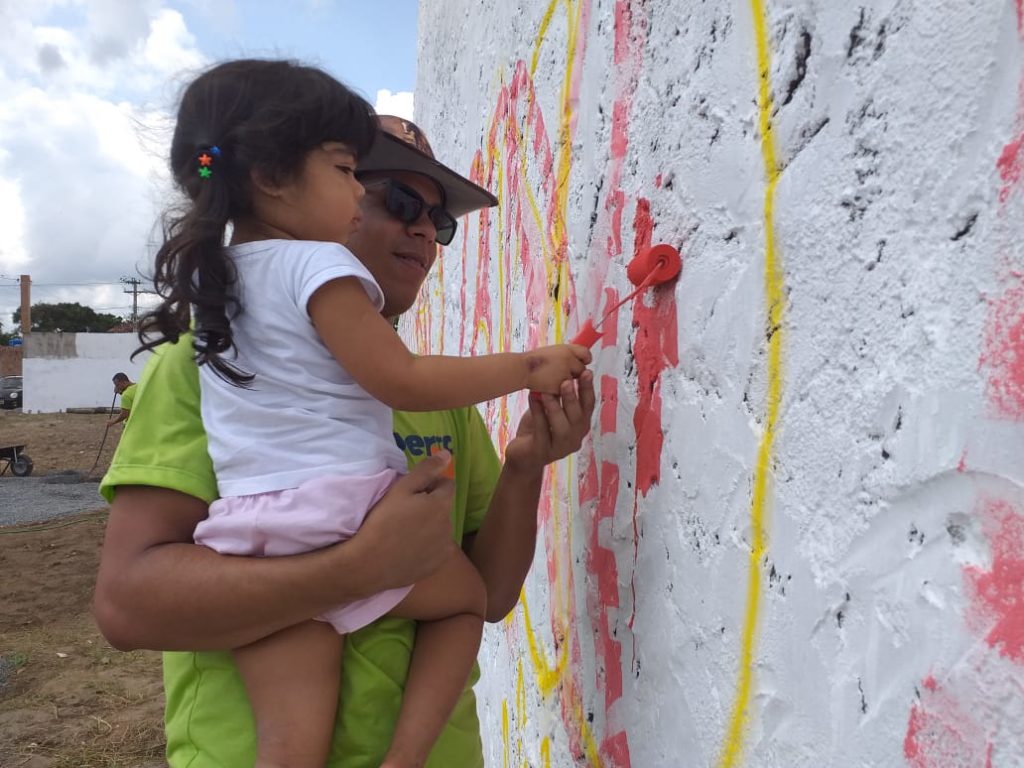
pixel 87 93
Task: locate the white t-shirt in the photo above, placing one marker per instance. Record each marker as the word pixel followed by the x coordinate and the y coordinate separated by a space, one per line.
pixel 303 416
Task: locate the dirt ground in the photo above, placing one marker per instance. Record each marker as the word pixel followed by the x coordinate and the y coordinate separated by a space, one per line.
pixel 67 699
pixel 61 441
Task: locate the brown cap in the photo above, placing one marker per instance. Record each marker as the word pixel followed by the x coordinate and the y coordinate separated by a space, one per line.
pixel 401 146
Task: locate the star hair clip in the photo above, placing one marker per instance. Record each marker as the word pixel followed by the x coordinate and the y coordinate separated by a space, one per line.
pixel 205 159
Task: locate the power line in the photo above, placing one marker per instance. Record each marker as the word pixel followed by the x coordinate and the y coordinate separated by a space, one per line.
pixel 64 285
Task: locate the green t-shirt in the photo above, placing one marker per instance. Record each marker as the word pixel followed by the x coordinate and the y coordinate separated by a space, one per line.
pixel 128 398
pixel 208 720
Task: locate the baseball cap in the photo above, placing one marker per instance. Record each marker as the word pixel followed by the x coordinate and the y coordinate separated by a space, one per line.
pixel 401 146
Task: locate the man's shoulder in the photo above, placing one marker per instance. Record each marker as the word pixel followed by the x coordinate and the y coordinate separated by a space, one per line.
pixel 170 379
pixel 171 356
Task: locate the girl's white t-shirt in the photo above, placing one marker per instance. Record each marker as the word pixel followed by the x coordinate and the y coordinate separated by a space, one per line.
pixel 303 416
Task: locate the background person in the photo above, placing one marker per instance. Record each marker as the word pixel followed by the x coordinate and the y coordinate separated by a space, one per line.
pixel 125 387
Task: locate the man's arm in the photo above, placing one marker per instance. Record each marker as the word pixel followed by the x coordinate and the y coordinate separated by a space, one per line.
pixel 156 589
pixel 502 550
pixel 122 416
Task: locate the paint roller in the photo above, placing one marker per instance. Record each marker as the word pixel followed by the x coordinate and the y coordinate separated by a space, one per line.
pixel 654 266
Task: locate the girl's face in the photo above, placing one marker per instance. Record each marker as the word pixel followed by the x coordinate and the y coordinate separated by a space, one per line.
pixel 321 203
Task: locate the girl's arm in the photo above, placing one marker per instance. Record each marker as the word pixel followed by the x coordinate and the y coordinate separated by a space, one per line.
pixel 366 345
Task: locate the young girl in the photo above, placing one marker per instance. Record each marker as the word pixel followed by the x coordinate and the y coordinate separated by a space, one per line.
pixel 298 370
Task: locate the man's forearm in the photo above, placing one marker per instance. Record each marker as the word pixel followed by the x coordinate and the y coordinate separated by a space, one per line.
pixel 156 589
pixel 503 548
pixel 186 597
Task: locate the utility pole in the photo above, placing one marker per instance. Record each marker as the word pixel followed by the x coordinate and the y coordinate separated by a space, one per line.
pixel 26 305
pixel 132 286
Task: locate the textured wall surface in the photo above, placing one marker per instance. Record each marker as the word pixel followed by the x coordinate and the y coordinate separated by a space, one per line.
pixel 796 537
pixel 73 370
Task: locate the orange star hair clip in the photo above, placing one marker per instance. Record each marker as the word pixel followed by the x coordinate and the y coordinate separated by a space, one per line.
pixel 205 160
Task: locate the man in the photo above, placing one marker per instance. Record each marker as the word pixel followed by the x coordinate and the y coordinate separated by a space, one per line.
pixel 157 590
pixel 125 387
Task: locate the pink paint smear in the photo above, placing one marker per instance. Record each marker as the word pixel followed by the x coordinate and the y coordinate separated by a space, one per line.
pixel 998 593
pixel 1003 354
pixel 941 734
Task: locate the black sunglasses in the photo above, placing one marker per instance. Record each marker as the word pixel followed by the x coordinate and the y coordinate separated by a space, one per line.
pixel 406 205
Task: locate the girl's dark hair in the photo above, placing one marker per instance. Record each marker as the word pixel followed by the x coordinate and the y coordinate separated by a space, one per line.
pixel 262 116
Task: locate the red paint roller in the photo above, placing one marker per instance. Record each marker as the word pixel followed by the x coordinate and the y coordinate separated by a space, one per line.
pixel 655 266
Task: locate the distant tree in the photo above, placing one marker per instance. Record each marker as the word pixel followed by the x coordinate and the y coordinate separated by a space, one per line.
pixel 4 335
pixel 70 318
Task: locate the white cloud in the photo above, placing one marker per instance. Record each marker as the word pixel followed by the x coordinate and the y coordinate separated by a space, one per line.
pixel 13 255
pixel 400 103
pixel 84 131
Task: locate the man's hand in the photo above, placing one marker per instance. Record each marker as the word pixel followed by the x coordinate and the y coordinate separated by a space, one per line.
pixel 409 531
pixel 553 427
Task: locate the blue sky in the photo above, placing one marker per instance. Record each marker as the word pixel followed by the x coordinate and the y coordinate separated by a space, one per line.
pixel 87 90
pixel 370 45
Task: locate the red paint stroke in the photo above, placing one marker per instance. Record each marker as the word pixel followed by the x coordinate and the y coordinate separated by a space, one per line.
pixel 1003 354
pixel 999 593
pixel 1011 167
pixel 610 326
pixel 601 563
pixel 608 651
pixel 1020 17
pixel 654 350
pixel 941 733
pixel 609 404
pixel 625 44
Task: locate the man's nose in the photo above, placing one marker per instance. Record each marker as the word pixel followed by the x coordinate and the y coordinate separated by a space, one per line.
pixel 423 227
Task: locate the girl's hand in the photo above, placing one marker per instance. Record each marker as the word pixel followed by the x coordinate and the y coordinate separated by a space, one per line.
pixel 549 366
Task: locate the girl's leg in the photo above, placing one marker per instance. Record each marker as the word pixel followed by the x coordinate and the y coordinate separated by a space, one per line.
pixel 292 679
pixel 450 607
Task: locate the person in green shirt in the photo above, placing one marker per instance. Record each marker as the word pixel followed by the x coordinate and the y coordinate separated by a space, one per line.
pixel 156 589
pixel 125 387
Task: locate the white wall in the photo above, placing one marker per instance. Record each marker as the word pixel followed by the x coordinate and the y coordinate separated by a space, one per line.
pixel 821 563
pixel 74 370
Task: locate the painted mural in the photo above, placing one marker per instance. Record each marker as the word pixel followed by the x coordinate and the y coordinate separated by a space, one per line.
pixel 795 536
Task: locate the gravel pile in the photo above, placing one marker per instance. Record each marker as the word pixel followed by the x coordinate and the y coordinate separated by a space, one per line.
pixel 32 499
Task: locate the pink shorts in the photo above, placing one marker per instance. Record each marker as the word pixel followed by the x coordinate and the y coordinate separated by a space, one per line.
pixel 315 515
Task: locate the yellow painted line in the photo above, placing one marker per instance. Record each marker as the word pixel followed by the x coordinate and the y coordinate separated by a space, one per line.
pixel 501 252
pixel 520 696
pixel 732 749
pixel 541 33
pixel 589 744
pixel 504 732
pixel 547 676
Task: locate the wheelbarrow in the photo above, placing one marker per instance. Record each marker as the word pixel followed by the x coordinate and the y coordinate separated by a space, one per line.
pixel 14 458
